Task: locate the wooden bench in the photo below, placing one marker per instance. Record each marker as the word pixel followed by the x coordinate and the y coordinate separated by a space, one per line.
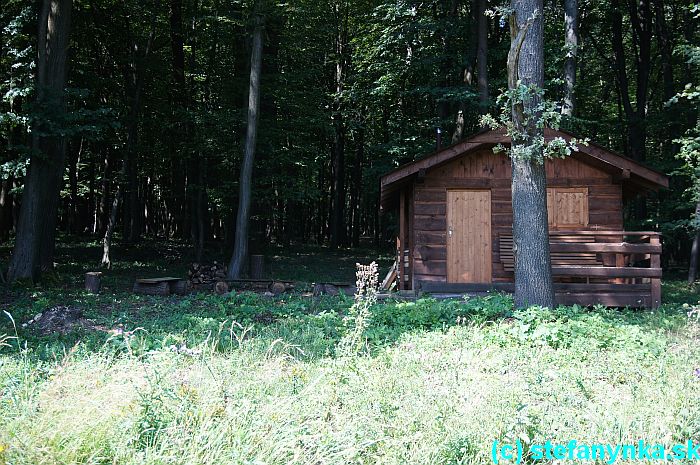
pixel 560 257
pixel 160 286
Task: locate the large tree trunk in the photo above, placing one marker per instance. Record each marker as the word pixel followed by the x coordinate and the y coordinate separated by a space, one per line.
pixel 571 46
pixel 533 272
pixel 240 248
pixel 36 231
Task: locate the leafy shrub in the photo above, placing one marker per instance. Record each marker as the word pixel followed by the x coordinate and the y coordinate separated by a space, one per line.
pixel 390 320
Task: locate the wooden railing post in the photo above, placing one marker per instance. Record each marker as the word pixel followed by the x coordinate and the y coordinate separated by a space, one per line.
pixel 399 269
pixel 402 241
pixel 655 262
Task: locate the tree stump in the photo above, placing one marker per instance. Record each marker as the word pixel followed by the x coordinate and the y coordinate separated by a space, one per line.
pixel 93 281
pixel 257 266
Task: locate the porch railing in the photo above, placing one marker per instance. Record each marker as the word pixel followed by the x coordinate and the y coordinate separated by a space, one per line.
pixel 616 268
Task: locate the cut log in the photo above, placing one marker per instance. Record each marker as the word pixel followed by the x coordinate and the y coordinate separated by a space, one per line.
pixel 277 288
pixel 325 289
pixel 257 266
pixel 93 281
pixel 221 287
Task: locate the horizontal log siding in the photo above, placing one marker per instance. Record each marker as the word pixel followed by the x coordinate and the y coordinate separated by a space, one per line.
pixel 486 170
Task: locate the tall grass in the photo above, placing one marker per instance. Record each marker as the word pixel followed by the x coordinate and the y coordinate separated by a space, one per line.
pixel 439 382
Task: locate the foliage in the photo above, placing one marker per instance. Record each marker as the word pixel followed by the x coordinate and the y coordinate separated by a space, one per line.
pixel 538 112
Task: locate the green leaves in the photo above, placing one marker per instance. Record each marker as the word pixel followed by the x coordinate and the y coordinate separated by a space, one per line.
pixel 538 112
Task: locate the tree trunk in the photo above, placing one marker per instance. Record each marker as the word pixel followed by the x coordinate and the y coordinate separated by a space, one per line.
pixel 75 224
pixel 337 232
pixel 5 213
pixel 133 211
pixel 664 35
pixel 180 157
pixel 468 72
pixel 482 52
pixel 641 20
pixel 240 248
pixel 35 242
pixel 635 116
pixel 570 46
pixel 695 251
pixel 665 39
pixel 533 272
pixel 102 214
pixel 357 184
pixel 127 175
pixel 112 222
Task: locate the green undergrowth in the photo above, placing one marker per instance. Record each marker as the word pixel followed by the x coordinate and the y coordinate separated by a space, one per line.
pixel 245 379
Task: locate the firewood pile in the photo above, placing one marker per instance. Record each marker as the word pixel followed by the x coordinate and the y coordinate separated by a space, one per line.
pixel 206 276
pixel 203 277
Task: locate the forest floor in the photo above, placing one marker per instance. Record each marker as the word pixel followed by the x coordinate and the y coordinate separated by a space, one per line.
pixel 248 379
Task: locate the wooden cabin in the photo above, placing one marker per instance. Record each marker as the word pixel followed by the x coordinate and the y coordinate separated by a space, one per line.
pixel 455 223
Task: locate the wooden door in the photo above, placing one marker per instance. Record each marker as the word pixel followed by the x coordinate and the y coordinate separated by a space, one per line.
pixel 468 236
pixel 567 208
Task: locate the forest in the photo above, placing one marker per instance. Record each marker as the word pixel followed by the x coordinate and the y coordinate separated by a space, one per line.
pixel 349 232
pixel 146 137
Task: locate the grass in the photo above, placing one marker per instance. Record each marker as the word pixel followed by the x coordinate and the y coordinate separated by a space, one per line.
pixel 244 379
pixel 429 391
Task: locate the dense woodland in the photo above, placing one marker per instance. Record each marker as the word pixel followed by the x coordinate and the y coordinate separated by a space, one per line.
pixel 148 134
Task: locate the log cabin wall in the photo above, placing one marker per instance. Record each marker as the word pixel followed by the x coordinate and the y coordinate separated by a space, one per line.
pixel 484 170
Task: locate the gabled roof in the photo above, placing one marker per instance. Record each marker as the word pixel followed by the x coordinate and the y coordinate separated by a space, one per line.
pixel 630 173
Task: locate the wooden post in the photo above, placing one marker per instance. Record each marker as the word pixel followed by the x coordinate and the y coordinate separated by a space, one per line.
pixel 655 262
pixel 257 266
pixel 410 246
pixel 93 281
pixel 402 240
pixel 620 263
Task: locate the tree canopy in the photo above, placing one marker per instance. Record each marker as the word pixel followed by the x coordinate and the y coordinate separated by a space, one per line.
pixel 156 99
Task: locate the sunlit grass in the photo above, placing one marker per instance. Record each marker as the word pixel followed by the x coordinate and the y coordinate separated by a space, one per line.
pixel 207 380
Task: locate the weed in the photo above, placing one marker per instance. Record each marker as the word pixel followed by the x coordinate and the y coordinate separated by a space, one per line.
pixel 359 317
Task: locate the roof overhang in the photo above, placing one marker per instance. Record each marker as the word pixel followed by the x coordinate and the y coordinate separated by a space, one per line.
pixel 635 177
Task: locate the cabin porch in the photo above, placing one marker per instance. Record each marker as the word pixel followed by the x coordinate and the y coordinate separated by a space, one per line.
pixel 612 268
